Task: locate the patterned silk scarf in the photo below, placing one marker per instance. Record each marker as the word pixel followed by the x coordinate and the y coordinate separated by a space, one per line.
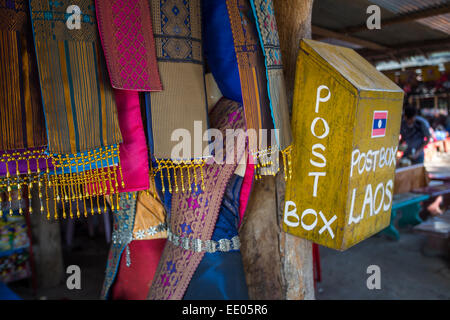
pixel 125 29
pixel 270 42
pixel 194 213
pixel 234 52
pixel 81 116
pixel 127 38
pixel 22 125
pixel 182 104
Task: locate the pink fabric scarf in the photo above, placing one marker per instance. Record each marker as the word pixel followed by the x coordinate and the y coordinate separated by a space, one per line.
pixel 125 28
pixel 133 150
pixel 246 188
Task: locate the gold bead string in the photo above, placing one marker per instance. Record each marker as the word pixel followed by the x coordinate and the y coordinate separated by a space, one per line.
pixel 111 186
pixel 189 177
pixel 287 162
pixel 120 166
pixel 195 178
pixel 182 178
pixel 175 179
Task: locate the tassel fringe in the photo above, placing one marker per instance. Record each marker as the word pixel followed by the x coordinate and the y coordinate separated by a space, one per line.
pixel 75 180
pixel 267 162
pixel 168 169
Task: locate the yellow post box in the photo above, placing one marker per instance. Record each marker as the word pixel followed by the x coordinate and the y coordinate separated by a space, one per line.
pixel 346 122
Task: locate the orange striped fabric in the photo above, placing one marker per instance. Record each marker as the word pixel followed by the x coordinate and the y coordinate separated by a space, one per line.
pixel 79 106
pixel 21 117
pixel 252 72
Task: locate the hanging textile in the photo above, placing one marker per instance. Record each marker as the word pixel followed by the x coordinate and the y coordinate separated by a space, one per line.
pixel 220 275
pixel 182 103
pixel 230 29
pixel 23 139
pixel 194 212
pixel 125 28
pixel 219 48
pixel 268 34
pixel 139 237
pixel 80 111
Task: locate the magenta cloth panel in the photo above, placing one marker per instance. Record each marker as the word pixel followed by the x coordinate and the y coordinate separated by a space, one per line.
pixel 125 28
pixel 246 188
pixel 133 150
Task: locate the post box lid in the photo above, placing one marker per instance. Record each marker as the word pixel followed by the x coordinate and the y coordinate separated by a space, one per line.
pixel 351 66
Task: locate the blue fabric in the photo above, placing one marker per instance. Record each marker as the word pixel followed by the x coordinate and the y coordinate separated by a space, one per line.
pixel 7 294
pixel 166 197
pixel 228 219
pixel 220 275
pixel 218 47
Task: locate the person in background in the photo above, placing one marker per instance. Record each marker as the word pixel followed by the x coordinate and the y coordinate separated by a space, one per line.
pixel 415 134
pixel 425 122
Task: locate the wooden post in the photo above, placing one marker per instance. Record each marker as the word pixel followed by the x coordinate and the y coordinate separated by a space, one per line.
pixel 46 244
pixel 294 23
pixel 278 265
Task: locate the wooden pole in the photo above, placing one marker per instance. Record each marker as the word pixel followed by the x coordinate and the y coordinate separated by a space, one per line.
pixel 278 265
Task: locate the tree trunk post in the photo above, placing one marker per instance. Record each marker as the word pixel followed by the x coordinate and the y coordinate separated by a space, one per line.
pixel 278 265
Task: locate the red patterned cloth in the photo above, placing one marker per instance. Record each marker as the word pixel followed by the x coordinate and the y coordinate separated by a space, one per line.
pixel 125 28
pixel 133 282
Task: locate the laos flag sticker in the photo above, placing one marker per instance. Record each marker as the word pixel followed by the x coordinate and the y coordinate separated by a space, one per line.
pixel 379 124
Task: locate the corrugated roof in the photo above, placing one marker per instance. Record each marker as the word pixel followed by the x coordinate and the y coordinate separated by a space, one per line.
pixel 401 39
pixel 404 6
pixel 440 22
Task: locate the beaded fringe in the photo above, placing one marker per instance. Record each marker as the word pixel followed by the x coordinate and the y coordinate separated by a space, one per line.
pixel 92 182
pixel 167 169
pixel 267 162
pixel 16 179
pixel 71 186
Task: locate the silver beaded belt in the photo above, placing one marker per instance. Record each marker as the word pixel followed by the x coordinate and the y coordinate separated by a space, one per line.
pixel 198 245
